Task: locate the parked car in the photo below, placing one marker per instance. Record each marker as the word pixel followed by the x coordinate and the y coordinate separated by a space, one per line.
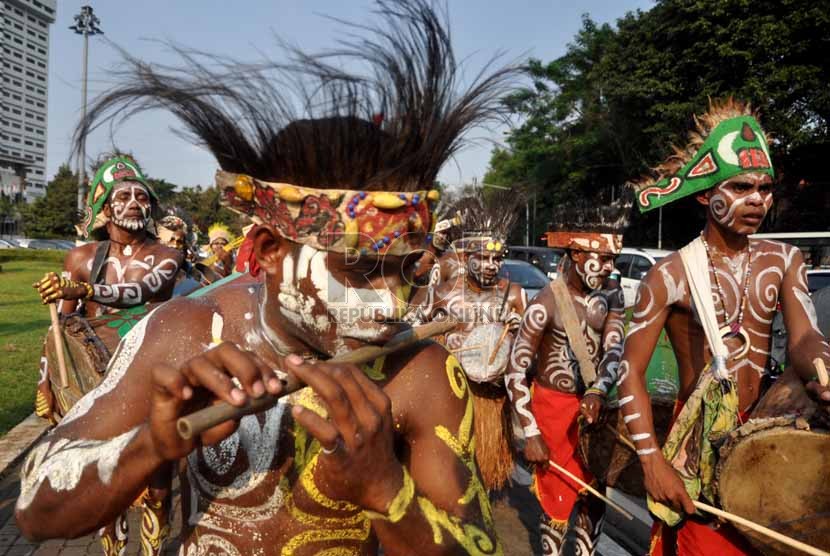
pixel 6 244
pixel 545 259
pixel 818 278
pixel 633 264
pixel 525 274
pixel 53 244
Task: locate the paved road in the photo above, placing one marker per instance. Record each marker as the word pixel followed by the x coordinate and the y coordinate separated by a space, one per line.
pixel 516 512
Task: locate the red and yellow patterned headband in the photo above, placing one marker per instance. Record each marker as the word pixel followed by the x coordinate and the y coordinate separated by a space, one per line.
pixel 339 220
pixel 586 241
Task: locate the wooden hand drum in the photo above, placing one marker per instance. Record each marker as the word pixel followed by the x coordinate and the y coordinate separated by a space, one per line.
pixel 87 355
pixel 774 469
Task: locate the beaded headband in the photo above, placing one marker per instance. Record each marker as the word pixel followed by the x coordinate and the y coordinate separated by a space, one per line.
pixel 338 220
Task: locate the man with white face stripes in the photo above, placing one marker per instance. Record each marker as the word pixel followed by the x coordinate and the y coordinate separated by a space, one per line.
pixel 564 384
pixel 716 298
pixel 128 268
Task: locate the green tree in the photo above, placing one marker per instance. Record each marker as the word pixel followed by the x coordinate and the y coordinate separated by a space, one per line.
pixel 619 98
pixel 54 214
pixel 204 208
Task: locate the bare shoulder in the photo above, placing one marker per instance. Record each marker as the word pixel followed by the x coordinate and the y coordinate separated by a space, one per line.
pixel 77 258
pixel 427 386
pixel 165 252
pixel 778 253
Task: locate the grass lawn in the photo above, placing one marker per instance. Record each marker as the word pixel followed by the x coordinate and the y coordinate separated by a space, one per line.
pixel 23 324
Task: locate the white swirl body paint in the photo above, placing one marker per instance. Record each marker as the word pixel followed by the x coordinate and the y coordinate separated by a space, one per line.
pixel 534 322
pixel 259 443
pixel 63 461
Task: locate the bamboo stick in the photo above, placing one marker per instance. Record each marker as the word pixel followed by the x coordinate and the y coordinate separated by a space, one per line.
pixel 57 336
pixel 200 421
pixel 766 531
pixel 821 371
pixel 590 489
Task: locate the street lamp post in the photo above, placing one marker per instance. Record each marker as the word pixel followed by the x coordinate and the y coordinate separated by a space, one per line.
pixel 86 24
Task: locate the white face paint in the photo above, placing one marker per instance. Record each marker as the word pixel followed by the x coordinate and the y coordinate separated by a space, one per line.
pixel 483 267
pixel 353 310
pixel 728 207
pixel 594 269
pixel 125 197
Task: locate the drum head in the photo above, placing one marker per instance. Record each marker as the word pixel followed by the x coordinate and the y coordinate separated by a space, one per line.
pixel 485 351
pixel 776 475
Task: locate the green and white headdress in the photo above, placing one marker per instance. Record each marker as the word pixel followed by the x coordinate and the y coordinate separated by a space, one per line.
pixel 116 169
pixel 728 141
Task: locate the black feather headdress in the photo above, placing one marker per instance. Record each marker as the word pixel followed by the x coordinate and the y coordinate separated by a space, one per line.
pixel 487 215
pixel 389 124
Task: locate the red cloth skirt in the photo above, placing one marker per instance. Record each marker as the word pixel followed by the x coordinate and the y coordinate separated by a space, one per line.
pixel 556 414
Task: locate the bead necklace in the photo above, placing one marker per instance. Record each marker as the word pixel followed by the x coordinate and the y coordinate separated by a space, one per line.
pixel 736 324
pixel 735 328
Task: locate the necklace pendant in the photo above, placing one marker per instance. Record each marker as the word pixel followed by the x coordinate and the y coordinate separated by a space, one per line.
pixel 128 250
pixel 735 328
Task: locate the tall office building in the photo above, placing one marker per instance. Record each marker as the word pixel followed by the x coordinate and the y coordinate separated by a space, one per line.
pixel 25 92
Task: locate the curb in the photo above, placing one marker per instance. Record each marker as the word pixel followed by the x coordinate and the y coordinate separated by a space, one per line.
pixel 15 443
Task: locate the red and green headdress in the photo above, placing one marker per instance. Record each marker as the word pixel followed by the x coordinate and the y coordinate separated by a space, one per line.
pixel 728 141
pixel 116 169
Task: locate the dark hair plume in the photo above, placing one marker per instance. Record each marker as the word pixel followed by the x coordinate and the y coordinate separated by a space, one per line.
pixel 390 124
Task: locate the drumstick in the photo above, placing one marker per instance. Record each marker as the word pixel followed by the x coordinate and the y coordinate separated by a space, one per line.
pixel 821 371
pixel 58 338
pixel 620 437
pixel 498 345
pixel 590 489
pixel 736 518
pixel 784 539
pixel 200 421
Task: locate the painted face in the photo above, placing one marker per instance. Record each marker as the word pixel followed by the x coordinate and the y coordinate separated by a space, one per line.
pixel 130 205
pixel 741 203
pixel 335 304
pixel 593 267
pixel 483 267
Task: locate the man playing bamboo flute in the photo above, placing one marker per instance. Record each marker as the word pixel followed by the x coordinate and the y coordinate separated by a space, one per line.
pixel 569 351
pixel 716 298
pixel 364 456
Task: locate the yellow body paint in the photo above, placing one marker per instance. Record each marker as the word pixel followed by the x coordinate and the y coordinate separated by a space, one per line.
pixel 399 505
pixel 474 540
pixel 153 533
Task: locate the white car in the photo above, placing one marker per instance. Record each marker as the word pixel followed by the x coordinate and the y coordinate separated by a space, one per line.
pixel 633 264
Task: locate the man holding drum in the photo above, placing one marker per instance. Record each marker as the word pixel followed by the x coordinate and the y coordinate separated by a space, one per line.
pixel 127 268
pixel 380 454
pixel 573 330
pixel 716 298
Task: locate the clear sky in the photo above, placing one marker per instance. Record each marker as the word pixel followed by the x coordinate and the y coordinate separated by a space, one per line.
pixel 245 28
